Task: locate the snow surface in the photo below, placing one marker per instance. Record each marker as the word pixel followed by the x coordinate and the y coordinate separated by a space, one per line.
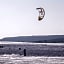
pixel 17 59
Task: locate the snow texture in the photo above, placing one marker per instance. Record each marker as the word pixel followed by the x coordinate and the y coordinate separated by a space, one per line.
pixel 17 59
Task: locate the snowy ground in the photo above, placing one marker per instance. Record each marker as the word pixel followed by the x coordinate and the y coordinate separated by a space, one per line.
pixel 17 59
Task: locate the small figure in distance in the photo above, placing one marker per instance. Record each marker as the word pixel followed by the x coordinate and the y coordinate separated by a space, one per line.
pixel 24 52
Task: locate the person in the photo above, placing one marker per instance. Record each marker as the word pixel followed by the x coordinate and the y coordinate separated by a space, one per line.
pixel 24 52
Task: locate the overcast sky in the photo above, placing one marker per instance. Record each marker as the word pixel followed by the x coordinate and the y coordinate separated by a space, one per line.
pixel 20 17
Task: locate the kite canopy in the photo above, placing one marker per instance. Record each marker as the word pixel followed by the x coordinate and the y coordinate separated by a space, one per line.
pixel 41 13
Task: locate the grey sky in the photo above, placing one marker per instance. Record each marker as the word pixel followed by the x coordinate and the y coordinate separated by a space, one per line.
pixel 19 17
